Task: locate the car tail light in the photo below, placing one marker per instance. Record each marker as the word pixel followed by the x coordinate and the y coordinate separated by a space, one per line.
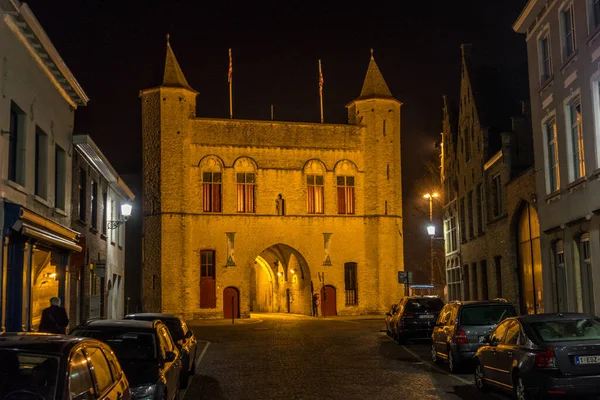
pixel 460 337
pixel 546 359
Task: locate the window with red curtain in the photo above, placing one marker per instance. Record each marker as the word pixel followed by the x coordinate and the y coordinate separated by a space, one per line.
pixel 314 194
pixel 245 192
pixel 345 194
pixel 211 191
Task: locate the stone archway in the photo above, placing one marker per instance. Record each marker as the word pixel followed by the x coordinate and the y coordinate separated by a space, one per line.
pixel 280 281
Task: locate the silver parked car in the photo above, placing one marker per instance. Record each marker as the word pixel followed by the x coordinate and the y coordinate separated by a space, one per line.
pixel 462 326
pixel 536 356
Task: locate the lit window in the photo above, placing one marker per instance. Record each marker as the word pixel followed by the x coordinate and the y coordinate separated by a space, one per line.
pixel 245 192
pixel 576 136
pixel 345 194
pixel 552 165
pixel 314 194
pixel 211 191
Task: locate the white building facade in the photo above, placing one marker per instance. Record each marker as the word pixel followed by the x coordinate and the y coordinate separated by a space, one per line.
pixel 38 99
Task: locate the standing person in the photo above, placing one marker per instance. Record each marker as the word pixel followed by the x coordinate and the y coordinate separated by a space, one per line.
pixel 54 318
pixel 316 303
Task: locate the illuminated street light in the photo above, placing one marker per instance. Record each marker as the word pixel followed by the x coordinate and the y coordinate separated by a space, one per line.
pixel 431 226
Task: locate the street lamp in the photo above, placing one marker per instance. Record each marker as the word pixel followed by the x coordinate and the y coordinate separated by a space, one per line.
pixel 431 227
pixel 125 214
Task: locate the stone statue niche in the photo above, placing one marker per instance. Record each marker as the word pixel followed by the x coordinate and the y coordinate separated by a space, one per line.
pixel 280 205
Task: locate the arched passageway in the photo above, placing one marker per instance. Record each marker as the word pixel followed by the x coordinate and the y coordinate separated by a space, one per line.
pixel 280 281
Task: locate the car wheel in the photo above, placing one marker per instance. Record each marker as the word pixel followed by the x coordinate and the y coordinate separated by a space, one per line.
pixel 520 389
pixel 434 356
pixel 479 378
pixel 401 339
pixel 184 379
pixel 453 364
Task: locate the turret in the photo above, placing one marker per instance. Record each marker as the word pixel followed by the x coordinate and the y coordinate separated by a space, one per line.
pixel 379 112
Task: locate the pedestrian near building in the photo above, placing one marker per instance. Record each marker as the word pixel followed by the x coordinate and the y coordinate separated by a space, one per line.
pixel 316 303
pixel 54 318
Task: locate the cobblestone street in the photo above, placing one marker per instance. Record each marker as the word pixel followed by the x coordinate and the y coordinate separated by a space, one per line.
pixel 280 356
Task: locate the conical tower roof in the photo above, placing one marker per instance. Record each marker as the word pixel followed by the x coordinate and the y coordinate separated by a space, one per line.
pixel 173 76
pixel 374 86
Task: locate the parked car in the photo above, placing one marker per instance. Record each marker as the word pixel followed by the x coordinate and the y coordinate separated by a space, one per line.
pixel 415 318
pixel 182 335
pixel 461 327
pixel 539 355
pixel 41 366
pixel 146 352
pixel 388 318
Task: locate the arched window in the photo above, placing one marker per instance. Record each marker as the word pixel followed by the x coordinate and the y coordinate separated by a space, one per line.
pixel 345 172
pixel 530 261
pixel 211 184
pixel 315 200
pixel 583 274
pixel 245 180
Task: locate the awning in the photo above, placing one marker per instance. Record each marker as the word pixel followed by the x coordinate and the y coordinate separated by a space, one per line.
pixel 35 226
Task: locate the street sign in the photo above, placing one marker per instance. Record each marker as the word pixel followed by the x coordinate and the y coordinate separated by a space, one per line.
pixel 405 277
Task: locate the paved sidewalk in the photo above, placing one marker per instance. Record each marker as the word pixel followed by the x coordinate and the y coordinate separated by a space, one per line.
pixel 256 318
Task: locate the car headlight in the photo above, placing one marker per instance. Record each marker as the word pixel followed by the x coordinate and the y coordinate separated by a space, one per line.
pixel 143 392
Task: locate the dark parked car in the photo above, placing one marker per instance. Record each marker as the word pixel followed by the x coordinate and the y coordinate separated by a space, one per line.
pixel 40 366
pixel 539 355
pixel 415 318
pixel 182 335
pixel 462 326
pixel 146 352
pixel 388 318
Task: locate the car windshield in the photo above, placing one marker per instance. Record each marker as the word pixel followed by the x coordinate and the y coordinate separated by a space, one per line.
pixel 423 305
pixel 560 330
pixel 486 314
pixel 126 345
pixel 174 328
pixel 21 371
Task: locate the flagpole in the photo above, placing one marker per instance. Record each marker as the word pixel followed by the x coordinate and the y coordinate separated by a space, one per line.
pixel 321 89
pixel 230 79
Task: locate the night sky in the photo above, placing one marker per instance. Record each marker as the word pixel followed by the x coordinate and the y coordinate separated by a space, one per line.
pixel 116 48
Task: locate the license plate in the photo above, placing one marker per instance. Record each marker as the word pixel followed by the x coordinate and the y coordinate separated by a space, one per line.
pixel 579 360
pixel 426 316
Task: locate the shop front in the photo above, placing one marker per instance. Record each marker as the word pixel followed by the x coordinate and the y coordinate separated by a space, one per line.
pixel 35 261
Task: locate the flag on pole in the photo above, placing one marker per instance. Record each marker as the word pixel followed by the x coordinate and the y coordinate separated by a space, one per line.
pixel 320 79
pixel 230 72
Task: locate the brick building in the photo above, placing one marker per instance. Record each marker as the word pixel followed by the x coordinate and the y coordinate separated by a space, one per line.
pixel 490 219
pixel 245 215
pixel 563 50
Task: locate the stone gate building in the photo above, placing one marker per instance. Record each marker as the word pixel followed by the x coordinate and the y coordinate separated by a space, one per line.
pixel 248 216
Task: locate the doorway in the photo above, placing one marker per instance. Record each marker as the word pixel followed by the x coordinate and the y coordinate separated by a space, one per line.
pixel 328 304
pixel 231 303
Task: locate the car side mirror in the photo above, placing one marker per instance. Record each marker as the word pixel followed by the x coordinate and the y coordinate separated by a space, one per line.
pixel 189 334
pixel 486 340
pixel 170 356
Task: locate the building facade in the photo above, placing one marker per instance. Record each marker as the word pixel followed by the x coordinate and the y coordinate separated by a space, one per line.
pixel 38 99
pixel 563 48
pixel 97 279
pixel 490 219
pixel 244 215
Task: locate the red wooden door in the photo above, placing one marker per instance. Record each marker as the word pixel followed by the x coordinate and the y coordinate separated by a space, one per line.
pixel 231 303
pixel 208 298
pixel 328 306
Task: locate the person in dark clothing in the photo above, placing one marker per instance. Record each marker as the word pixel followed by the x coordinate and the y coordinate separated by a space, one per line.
pixel 54 318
